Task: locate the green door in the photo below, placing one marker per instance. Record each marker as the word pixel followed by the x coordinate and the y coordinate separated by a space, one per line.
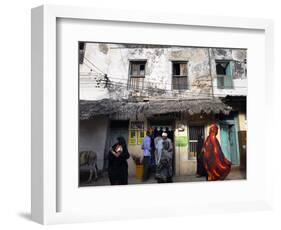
pixel 229 142
pixel 225 144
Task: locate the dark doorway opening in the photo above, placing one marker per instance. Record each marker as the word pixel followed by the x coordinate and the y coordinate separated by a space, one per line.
pixel 167 126
pixel 116 128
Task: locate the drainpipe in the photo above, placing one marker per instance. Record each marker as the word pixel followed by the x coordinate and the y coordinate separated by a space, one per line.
pixel 210 69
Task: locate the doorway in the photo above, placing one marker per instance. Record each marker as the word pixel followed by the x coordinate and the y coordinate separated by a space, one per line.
pixel 228 137
pixel 117 128
pixel 167 126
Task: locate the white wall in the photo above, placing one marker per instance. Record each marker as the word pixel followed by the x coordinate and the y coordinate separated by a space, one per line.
pixel 114 60
pixel 93 135
pixel 15 113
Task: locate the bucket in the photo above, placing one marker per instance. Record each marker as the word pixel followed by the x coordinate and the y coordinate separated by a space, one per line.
pixel 139 171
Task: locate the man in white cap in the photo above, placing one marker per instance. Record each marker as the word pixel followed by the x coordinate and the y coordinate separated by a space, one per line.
pixel 165 138
pixel 164 171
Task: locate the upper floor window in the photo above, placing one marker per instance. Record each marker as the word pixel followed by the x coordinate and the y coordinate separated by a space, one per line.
pixel 224 75
pixel 137 74
pixel 179 78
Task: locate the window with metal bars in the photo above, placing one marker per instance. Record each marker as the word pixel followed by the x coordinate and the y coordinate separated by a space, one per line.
pixel 194 133
pixel 179 78
pixel 137 74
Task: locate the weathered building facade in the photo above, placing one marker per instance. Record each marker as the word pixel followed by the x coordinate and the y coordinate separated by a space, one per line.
pixel 128 89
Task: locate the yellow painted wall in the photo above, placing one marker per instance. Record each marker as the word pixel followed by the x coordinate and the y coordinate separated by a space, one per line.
pixel 135 150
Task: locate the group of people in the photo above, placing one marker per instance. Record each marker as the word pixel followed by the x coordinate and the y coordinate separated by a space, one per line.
pixel 211 162
pixel 157 151
pixel 161 149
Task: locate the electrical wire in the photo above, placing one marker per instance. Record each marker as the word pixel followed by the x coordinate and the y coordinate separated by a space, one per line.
pixel 152 81
pixel 107 82
pixel 98 84
pixel 147 81
pixel 94 65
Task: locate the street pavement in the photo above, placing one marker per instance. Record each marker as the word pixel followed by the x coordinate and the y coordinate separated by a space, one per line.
pixel 235 174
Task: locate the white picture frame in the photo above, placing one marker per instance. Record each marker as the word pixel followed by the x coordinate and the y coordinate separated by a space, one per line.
pixel 45 183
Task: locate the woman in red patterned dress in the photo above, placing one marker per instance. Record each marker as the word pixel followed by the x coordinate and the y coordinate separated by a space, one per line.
pixel 216 164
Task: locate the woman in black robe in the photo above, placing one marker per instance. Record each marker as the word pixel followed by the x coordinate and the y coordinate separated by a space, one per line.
pixel 201 171
pixel 117 163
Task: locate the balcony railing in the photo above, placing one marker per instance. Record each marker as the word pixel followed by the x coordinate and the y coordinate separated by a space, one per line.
pixel 136 82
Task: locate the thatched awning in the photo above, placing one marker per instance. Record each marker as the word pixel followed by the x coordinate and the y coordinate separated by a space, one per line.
pixel 90 109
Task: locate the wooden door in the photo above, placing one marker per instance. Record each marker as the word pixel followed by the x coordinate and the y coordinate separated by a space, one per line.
pixel 242 135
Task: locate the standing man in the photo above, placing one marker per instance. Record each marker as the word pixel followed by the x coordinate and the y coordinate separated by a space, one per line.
pixel 158 147
pixel 169 149
pixel 164 171
pixel 146 147
pixel 165 138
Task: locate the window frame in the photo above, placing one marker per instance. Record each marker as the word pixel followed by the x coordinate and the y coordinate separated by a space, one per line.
pixel 230 63
pixel 179 76
pixel 131 78
pixel 139 133
pixel 198 126
pixel 137 61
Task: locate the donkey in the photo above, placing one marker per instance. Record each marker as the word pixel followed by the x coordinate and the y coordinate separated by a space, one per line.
pixel 88 161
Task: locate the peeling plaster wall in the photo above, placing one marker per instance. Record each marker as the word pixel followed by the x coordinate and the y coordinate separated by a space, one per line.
pixel 94 57
pixel 237 58
pixel 114 60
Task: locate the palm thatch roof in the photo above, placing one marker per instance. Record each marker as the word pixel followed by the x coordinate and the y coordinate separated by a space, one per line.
pixel 113 108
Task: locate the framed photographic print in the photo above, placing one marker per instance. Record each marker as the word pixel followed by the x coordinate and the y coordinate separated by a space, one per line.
pixel 137 95
pixel 134 110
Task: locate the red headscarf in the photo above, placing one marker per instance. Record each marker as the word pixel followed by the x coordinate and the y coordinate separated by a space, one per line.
pixel 215 163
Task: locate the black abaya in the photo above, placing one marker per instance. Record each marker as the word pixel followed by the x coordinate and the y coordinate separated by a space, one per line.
pixel 118 167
